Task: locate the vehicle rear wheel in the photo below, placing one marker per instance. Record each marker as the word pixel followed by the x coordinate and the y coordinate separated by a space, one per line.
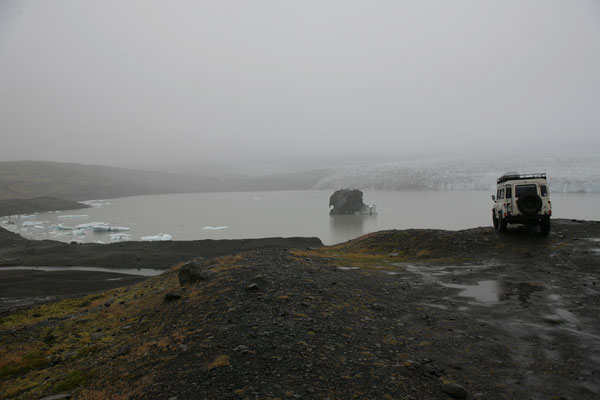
pixel 545 226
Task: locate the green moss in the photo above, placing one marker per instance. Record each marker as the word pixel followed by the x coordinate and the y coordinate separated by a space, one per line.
pixel 72 380
pixel 30 361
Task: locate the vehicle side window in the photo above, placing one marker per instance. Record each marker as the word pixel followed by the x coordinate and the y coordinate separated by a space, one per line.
pixel 501 193
pixel 498 194
pixel 509 192
pixel 544 190
pixel 522 190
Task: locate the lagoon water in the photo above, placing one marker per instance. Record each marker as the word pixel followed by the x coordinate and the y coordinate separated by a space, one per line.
pixel 237 215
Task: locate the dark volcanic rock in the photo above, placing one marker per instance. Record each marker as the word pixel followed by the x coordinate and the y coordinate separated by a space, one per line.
pixel 172 296
pixel 348 201
pixel 193 271
pixel 454 390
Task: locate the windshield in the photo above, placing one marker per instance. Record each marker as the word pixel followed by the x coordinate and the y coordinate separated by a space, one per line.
pixel 521 190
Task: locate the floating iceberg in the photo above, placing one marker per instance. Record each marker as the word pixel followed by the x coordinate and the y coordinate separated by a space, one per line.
pixel 119 237
pixel 119 228
pixel 74 216
pixel 215 228
pixel 101 228
pixel 90 225
pixel 158 238
pixel 61 227
pixel 96 203
pixel 78 232
pixel 27 216
pixel 34 223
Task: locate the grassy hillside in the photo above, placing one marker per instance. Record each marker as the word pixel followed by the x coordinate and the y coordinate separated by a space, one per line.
pixel 26 179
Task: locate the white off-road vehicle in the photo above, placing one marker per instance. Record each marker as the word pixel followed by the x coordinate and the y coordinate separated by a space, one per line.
pixel 522 199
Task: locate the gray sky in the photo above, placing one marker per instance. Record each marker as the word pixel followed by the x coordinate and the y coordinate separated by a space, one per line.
pixel 134 83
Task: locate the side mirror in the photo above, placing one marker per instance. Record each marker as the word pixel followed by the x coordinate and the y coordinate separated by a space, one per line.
pixel 493 197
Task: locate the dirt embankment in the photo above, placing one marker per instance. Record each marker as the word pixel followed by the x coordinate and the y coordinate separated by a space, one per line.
pixel 37 204
pixel 397 314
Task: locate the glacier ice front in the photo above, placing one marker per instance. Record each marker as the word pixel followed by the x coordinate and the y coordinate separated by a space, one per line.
pixel 157 238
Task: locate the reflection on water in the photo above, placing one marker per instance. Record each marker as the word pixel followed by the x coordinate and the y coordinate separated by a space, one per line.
pixel 346 227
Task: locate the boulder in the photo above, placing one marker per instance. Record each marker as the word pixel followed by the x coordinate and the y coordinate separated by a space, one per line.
pixel 349 201
pixel 193 271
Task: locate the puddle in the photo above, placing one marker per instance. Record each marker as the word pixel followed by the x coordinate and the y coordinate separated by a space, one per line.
pixel 124 271
pixel 484 291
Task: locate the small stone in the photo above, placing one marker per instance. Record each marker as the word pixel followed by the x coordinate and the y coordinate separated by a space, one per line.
pixel 253 287
pixel 393 255
pixel 171 296
pixel 454 390
pixel 61 396
pixel 122 350
pixel 183 347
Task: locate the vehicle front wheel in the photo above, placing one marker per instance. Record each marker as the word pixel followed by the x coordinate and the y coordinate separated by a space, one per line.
pixel 495 220
pixel 545 226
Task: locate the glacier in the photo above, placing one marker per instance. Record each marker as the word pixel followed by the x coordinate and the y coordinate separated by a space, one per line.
pixel 566 173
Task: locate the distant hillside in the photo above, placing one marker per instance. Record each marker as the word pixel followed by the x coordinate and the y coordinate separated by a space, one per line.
pixel 26 179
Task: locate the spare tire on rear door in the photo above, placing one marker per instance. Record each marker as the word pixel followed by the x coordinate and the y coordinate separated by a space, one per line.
pixel 529 203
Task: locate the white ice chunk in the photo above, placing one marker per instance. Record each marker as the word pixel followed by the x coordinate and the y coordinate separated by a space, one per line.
pixel 157 238
pixel 215 228
pixel 61 227
pixel 74 216
pixel 91 225
pixel 101 228
pixel 79 232
pixel 119 237
pixel 34 223
pixel 27 216
pixel 119 228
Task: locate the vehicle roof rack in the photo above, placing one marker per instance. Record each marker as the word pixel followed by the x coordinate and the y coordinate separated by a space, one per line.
pixel 511 177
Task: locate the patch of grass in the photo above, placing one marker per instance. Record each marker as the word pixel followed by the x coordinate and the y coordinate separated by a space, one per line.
pixel 72 380
pixel 16 364
pixel 43 312
pixel 220 361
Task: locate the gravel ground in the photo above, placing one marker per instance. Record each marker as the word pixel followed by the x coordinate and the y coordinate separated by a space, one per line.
pixel 419 314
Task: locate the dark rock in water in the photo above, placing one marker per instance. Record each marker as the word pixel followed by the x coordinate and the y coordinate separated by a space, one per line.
pixel 193 271
pixel 172 296
pixel 349 201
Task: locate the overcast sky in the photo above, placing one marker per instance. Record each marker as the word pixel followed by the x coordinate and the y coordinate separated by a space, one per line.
pixel 143 82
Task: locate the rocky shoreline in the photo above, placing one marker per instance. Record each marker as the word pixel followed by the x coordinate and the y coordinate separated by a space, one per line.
pixel 396 314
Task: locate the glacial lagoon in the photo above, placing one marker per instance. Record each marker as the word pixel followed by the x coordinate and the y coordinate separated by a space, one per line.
pixel 238 215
